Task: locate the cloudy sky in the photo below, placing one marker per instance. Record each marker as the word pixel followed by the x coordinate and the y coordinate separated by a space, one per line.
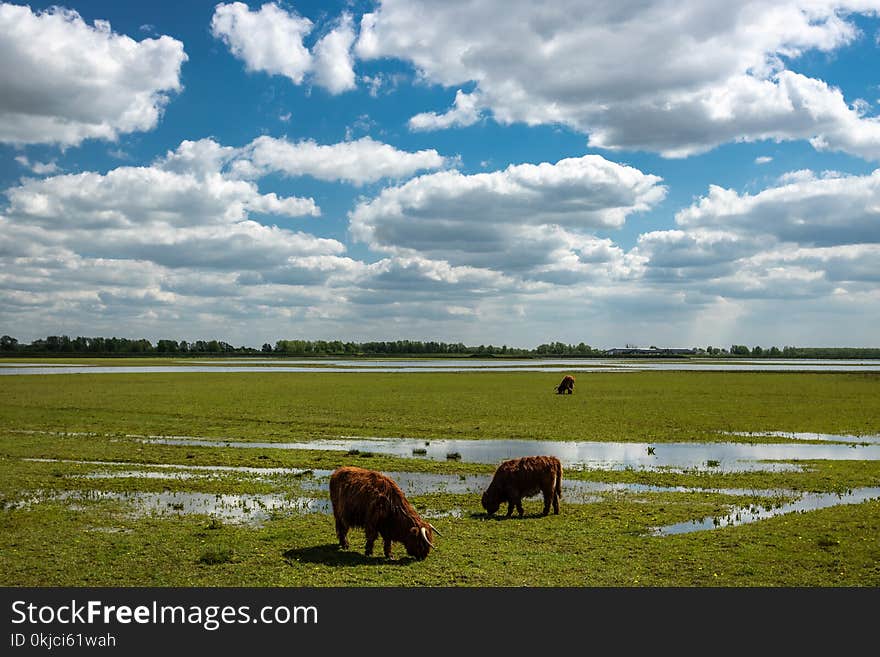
pixel 667 172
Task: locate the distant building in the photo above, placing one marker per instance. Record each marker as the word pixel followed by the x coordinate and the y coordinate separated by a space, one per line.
pixel 636 351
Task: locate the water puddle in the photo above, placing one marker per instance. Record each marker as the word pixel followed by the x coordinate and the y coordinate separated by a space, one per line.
pixel 236 509
pixel 753 513
pixel 256 508
pixel 593 455
pixel 450 365
pixel 848 439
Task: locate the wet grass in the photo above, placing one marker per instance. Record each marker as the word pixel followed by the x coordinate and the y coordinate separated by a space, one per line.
pixel 604 543
pixel 599 544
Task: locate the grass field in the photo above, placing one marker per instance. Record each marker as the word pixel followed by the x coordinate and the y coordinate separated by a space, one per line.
pixel 48 541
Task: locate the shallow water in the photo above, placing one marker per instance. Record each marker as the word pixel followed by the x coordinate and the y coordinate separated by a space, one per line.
pixel 715 457
pixel 240 508
pixel 451 365
pixel 806 435
pixel 753 513
pixel 256 508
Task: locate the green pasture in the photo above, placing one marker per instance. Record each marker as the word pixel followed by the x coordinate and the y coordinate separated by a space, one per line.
pixel 617 406
pixel 603 543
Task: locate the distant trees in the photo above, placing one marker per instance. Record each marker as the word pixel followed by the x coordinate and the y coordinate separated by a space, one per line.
pixel 63 344
pixel 805 352
pixel 100 346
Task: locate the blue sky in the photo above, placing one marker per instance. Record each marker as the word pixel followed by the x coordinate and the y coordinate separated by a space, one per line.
pixel 669 173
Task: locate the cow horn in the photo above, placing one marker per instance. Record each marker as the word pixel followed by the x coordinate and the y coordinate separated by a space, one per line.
pixel 436 531
pixel 425 536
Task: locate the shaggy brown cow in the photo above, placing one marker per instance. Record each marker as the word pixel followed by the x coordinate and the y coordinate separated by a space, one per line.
pixel 374 501
pixel 566 385
pixel 524 477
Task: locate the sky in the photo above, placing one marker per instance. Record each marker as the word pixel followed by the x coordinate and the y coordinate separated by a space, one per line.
pixel 674 173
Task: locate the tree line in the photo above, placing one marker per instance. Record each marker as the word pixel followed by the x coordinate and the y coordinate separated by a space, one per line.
pixel 99 346
pixel 114 346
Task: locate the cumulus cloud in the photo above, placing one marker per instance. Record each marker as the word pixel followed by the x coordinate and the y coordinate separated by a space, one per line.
pixel 334 64
pixel 465 111
pixel 676 255
pixel 137 197
pixel 805 210
pixel 181 212
pixel 807 237
pixel 525 218
pixel 672 77
pixel 39 168
pixel 187 236
pixel 64 81
pixel 360 161
pixel 271 40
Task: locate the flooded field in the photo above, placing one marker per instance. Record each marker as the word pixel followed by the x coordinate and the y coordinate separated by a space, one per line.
pixel 720 457
pixel 746 477
pixel 312 486
pixel 451 365
pixel 753 513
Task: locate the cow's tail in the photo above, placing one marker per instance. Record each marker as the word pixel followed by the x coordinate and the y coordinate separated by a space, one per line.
pixel 558 490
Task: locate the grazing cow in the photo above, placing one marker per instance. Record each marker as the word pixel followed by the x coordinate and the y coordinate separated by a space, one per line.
pixel 374 501
pixel 524 477
pixel 566 385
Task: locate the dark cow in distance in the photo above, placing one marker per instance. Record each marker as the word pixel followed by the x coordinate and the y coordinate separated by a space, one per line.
pixel 524 477
pixel 374 501
pixel 566 385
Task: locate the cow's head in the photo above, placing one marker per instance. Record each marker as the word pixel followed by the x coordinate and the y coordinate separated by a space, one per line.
pixel 490 501
pixel 419 540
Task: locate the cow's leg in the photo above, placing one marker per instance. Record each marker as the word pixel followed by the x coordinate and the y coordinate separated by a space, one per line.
pixel 342 534
pixel 371 538
pixel 547 496
pixel 555 501
pixel 387 546
pixel 510 504
pixel 519 506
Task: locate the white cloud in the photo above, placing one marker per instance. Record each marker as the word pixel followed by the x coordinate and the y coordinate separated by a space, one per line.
pixel 64 81
pixel 334 64
pixel 191 217
pixel 361 161
pixel 272 40
pixel 804 210
pixel 763 159
pixel 39 168
pixel 527 218
pixel 806 238
pixel 269 39
pixel 138 197
pixel 465 111
pixel 662 75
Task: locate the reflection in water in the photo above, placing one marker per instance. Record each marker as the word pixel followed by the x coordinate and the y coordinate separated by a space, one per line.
pixel 743 515
pixel 454 365
pixel 807 435
pixel 241 508
pixel 593 455
pixel 255 508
